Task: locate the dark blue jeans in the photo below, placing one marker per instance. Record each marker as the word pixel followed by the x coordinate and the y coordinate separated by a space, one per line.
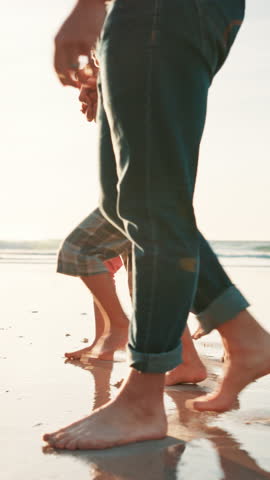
pixel 157 61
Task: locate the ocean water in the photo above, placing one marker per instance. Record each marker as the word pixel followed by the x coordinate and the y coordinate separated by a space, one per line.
pixel 243 253
pixel 230 253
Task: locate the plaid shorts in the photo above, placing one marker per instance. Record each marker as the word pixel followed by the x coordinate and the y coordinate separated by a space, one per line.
pixel 87 248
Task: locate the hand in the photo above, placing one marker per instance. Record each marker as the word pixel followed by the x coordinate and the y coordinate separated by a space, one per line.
pixel 77 37
pixel 88 97
pixel 87 78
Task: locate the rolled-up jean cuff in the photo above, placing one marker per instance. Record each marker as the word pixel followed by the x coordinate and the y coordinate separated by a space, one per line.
pixel 155 362
pixel 222 309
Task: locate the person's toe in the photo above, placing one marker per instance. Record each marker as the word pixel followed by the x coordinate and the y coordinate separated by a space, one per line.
pixel 47 437
pixel 51 437
pixel 71 444
pixel 59 440
pixel 82 444
pixel 196 404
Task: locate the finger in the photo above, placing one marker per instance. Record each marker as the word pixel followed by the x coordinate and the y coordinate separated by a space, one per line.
pixel 73 63
pixel 60 62
pixel 89 113
pixel 84 108
pixel 66 65
pixel 87 95
pixel 86 79
pixel 94 59
pixel 93 95
pixel 83 97
pixel 95 111
pixel 66 80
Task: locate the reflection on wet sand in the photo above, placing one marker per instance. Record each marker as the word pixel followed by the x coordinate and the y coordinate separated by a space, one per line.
pixel 149 460
pixel 195 448
pixel 232 459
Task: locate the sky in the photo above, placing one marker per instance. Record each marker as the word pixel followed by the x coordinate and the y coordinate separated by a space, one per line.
pixel 48 152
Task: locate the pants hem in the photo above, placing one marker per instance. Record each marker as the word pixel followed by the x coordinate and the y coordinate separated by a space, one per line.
pixel 222 309
pixel 155 362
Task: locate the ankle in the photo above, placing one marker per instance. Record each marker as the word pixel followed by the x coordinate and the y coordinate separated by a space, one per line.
pixel 191 359
pixel 242 334
pixel 144 388
pixel 117 330
pixel 240 327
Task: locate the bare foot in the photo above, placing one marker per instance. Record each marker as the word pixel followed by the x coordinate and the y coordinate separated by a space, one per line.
pixel 191 370
pixel 247 347
pixel 135 415
pixel 104 347
pixel 109 343
pixel 186 373
pixel 76 355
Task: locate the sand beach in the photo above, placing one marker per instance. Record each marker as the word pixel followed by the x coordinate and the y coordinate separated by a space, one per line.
pixel 44 315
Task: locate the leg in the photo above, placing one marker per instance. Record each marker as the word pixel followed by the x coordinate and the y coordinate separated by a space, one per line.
pixel 86 253
pixel 247 347
pixel 191 370
pixel 216 301
pixel 157 212
pixel 114 337
pixel 99 329
pixel 246 343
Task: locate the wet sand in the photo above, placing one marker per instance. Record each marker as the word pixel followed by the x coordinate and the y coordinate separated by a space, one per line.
pixel 42 316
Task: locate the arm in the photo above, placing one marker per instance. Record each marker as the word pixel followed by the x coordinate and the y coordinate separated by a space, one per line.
pixel 77 36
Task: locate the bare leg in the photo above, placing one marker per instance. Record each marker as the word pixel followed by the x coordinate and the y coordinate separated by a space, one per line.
pixel 247 347
pixel 191 370
pixel 99 329
pixel 114 337
pixel 136 414
pixel 111 321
